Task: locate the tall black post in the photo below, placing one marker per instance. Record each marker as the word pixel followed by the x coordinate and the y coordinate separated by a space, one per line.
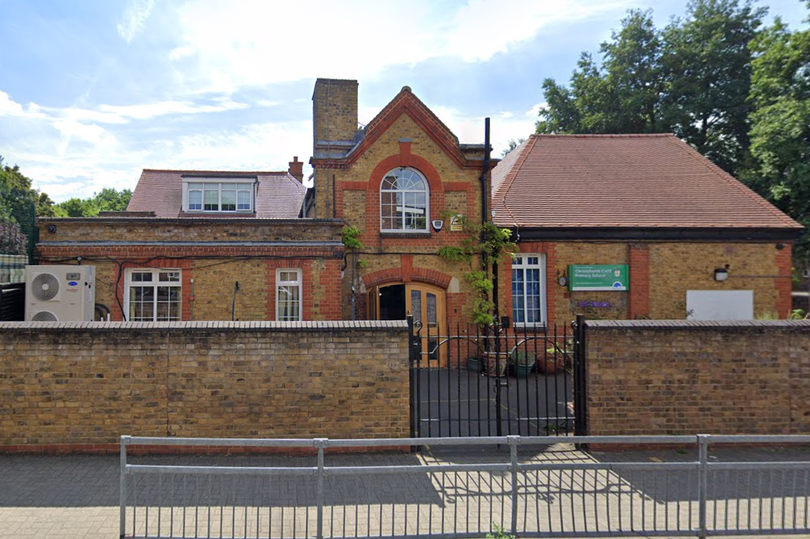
pixel 580 382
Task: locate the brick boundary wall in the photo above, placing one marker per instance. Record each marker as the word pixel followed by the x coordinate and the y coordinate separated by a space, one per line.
pixel 690 377
pixel 79 386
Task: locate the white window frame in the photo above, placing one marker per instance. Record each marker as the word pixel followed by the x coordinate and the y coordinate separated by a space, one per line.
pixel 402 208
pixel 297 283
pixel 522 263
pixel 201 185
pixel 155 283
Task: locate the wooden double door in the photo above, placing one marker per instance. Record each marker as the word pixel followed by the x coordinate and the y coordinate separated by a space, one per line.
pixel 427 304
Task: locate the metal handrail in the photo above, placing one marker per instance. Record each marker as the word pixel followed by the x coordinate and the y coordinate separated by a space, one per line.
pixel 514 492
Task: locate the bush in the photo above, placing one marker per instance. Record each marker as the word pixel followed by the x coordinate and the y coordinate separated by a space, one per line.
pixel 12 239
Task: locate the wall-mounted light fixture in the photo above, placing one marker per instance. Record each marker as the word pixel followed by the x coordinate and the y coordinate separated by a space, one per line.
pixel 562 278
pixel 721 274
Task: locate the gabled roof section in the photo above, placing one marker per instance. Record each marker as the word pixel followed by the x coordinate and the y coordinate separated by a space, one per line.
pixel 405 102
pixel 623 181
pixel 278 194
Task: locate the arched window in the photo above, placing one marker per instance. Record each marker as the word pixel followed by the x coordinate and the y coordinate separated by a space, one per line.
pixel 404 201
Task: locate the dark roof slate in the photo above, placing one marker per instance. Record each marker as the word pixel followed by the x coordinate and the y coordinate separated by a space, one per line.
pixel 278 195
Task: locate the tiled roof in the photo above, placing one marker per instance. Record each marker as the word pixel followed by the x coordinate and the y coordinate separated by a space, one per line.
pixel 278 195
pixel 645 181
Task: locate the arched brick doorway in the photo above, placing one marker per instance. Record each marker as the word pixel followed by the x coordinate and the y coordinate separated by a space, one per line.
pixel 428 305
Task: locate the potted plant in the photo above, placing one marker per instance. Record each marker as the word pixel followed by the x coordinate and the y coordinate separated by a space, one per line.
pixel 496 363
pixel 552 361
pixel 522 363
pixel 474 364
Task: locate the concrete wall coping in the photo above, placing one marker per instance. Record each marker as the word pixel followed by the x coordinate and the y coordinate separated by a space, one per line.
pixel 702 325
pixel 300 327
pixel 192 221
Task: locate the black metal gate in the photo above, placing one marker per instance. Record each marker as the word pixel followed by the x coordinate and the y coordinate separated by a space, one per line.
pixel 497 381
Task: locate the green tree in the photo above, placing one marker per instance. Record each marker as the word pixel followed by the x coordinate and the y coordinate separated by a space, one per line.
pixel 108 199
pixel 622 95
pixel 780 122
pixel 512 145
pixel 20 203
pixel 18 196
pixel 635 74
pixel 12 239
pixel 692 79
pixel 708 65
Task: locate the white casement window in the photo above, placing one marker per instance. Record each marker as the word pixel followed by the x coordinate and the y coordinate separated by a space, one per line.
pixel 201 195
pixel 152 295
pixel 288 295
pixel 404 197
pixel 528 290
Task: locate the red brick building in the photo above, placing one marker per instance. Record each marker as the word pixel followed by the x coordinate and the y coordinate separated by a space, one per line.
pixel 614 227
pixel 207 245
pixel 688 239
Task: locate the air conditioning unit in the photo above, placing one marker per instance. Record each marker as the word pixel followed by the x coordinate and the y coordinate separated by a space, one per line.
pixel 59 293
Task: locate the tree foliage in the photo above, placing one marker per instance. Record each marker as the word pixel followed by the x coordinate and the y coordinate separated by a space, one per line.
pixel 737 92
pixel 19 204
pixel 511 146
pixel 780 122
pixel 18 197
pixel 108 199
pixel 621 94
pixel 692 79
pixel 708 68
pixel 12 239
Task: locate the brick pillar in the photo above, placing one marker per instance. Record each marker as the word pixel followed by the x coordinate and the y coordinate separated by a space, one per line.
pixel 784 283
pixel 639 257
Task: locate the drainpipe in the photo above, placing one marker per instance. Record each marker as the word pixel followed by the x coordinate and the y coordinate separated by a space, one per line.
pixel 484 173
pixel 485 217
pixel 233 305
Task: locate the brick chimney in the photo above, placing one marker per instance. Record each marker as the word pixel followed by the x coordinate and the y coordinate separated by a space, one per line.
pixel 334 117
pixel 296 169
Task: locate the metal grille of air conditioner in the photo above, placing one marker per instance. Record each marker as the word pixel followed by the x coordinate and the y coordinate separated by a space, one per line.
pixel 45 287
pixel 44 316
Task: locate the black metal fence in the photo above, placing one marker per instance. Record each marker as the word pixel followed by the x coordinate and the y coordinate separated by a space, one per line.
pixel 496 381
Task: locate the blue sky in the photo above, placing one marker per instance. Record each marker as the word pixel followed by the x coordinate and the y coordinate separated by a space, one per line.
pixel 91 92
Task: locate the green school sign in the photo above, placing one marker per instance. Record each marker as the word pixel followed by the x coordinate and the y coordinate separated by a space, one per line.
pixel 608 277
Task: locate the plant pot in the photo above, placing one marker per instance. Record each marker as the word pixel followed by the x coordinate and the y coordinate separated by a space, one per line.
pixel 474 364
pixel 522 371
pixel 496 363
pixel 521 362
pixel 549 365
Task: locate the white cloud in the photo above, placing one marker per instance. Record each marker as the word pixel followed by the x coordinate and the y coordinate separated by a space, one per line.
pixel 8 106
pixel 216 47
pixel 148 111
pixel 483 28
pixel 68 152
pixel 267 146
pixel 504 126
pixel 99 138
pixel 134 18
pixel 230 44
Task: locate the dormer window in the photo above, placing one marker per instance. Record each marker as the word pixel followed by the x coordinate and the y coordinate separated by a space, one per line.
pixel 219 195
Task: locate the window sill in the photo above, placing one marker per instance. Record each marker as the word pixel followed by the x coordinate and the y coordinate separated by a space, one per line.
pixel 408 234
pixel 217 214
pixel 531 328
